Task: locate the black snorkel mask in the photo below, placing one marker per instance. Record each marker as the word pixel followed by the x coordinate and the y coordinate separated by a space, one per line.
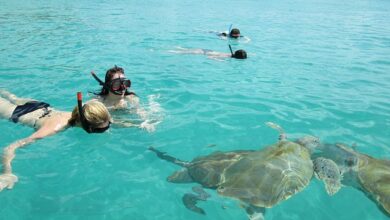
pixel 84 123
pixel 117 86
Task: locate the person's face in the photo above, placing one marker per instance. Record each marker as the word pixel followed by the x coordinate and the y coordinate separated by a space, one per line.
pixel 119 84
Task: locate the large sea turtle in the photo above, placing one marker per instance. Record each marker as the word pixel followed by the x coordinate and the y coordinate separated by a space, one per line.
pixel 364 172
pixel 258 178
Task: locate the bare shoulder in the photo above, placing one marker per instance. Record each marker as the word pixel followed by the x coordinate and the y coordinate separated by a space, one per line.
pixel 97 99
pixel 132 98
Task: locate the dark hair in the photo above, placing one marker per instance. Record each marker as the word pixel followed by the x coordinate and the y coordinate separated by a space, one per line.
pixel 234 31
pixel 239 54
pixel 105 89
pixel 112 71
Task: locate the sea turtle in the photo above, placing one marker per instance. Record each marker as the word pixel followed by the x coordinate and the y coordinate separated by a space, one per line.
pixel 258 178
pixel 368 174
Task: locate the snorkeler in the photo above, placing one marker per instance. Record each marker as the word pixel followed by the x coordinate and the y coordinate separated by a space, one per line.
pixel 115 95
pixel 93 117
pixel 238 54
pixel 233 34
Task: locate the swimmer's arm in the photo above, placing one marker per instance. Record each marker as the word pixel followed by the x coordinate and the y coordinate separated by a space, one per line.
pixel 8 179
pixel 134 102
pixel 50 127
pixel 124 124
pixel 222 35
pixel 9 151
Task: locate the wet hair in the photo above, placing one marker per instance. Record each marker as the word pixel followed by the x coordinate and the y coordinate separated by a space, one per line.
pixel 94 112
pixel 105 90
pixel 234 31
pixel 239 54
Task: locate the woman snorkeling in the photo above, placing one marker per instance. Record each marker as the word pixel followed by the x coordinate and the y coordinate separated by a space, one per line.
pixel 93 117
pixel 115 95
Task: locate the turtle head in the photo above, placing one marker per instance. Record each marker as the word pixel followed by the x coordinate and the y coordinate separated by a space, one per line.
pixel 310 142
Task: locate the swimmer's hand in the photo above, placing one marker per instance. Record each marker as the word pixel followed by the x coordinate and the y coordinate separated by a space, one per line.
pixel 149 127
pixel 124 124
pixel 7 180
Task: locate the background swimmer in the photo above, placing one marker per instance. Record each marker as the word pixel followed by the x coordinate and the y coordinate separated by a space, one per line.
pixel 232 34
pixel 92 117
pixel 238 54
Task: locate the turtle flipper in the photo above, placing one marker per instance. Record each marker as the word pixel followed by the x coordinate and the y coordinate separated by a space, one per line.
pixel 190 200
pixel 255 213
pixel 202 195
pixel 165 156
pixel 328 171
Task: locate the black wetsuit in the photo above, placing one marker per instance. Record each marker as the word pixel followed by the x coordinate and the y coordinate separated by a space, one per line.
pixel 28 107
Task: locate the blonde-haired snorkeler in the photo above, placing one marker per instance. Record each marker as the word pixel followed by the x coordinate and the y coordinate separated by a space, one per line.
pixel 93 117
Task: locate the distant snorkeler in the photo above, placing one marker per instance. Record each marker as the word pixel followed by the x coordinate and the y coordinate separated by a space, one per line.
pixel 115 95
pixel 233 34
pixel 93 117
pixel 238 54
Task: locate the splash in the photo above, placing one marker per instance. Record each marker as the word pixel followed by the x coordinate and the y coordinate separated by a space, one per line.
pixel 153 113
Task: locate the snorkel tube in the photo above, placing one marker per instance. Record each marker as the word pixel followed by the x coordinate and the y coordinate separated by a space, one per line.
pixel 230 28
pixel 231 50
pixel 100 81
pixel 97 79
pixel 83 121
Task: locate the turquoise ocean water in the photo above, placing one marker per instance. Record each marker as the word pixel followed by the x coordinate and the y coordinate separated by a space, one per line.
pixel 314 67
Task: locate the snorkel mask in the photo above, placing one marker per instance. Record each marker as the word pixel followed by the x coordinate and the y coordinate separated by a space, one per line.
pixel 84 122
pixel 117 86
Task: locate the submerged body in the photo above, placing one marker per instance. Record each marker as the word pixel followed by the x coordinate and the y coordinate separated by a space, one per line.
pixel 238 54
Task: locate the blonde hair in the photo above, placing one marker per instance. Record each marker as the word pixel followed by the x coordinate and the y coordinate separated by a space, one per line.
pixel 95 112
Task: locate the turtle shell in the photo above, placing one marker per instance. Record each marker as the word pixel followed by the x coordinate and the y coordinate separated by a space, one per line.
pixel 374 177
pixel 264 178
pixel 207 170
